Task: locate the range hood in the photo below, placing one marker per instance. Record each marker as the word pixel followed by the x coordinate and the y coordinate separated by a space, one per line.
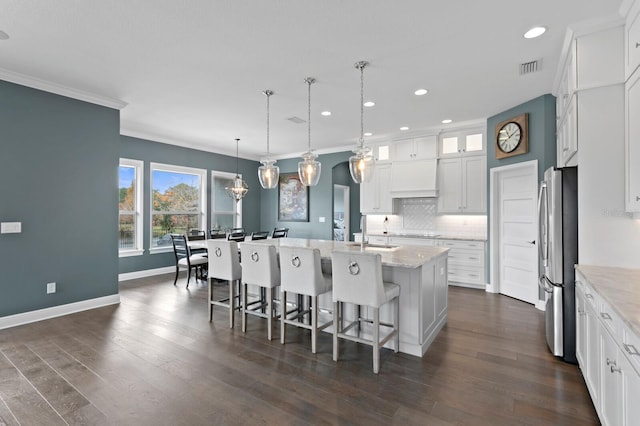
pixel 415 178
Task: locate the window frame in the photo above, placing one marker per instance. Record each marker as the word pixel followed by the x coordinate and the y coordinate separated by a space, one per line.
pixel 237 213
pixel 202 213
pixel 138 166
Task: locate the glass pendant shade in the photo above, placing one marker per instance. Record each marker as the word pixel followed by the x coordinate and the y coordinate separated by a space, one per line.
pixel 268 174
pixel 309 169
pixel 237 188
pixel 361 165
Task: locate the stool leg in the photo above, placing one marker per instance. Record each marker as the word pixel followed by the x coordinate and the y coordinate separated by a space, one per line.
pixel 397 325
pixel 335 330
pixel 269 311
pixel 314 323
pixel 210 299
pixel 232 302
pixel 376 340
pixel 243 291
pixel 283 314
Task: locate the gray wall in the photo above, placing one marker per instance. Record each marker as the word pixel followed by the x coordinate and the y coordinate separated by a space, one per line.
pixel 342 176
pixel 58 174
pixel 320 200
pixel 542 141
pixel 150 151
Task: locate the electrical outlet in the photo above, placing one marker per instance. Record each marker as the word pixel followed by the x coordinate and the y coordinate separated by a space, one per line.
pixel 321 219
pixel 51 288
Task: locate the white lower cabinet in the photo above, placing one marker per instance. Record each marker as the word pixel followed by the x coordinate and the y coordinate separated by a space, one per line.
pixel 466 262
pixel 607 357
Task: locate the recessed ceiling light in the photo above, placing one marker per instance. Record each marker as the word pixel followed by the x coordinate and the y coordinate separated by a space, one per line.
pixel 326 113
pixel 369 103
pixel 446 121
pixel 3 35
pixel 404 128
pixel 420 92
pixel 368 134
pixel 535 32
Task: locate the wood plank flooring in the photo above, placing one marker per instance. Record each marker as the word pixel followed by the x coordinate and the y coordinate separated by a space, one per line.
pixel 156 360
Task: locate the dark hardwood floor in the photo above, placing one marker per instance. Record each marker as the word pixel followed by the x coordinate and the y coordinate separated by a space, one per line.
pixel 155 359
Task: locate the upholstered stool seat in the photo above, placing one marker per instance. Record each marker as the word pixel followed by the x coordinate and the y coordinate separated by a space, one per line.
pixel 357 279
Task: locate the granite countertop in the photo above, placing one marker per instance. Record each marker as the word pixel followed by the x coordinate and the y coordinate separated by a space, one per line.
pixel 399 256
pixel 428 235
pixel 620 288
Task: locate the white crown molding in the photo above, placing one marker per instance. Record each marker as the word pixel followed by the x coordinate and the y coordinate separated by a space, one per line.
pixel 57 311
pixel 59 89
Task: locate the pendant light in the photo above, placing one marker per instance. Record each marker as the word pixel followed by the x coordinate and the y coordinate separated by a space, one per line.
pixel 362 163
pixel 237 188
pixel 309 169
pixel 268 173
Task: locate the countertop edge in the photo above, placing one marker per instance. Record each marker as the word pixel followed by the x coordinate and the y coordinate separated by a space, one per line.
pixel 428 237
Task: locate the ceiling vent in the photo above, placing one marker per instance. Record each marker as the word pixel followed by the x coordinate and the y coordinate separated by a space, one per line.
pixel 531 67
pixel 296 120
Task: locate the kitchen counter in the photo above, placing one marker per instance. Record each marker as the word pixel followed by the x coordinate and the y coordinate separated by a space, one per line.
pixel 428 235
pixel 620 288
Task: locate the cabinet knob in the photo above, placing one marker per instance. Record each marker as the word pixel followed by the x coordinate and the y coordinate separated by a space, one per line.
pixel 605 315
pixel 611 361
pixel 637 44
pixel 615 370
pixel 637 198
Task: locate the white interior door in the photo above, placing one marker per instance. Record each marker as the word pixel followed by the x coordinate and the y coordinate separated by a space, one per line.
pixel 517 230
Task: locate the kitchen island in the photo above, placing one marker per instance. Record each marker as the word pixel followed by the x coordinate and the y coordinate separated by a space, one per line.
pixel 421 273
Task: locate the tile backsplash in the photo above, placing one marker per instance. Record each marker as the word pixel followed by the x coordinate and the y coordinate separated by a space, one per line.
pixel 420 215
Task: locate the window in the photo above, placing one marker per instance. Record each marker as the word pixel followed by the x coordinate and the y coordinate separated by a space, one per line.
pixel 225 212
pixel 177 202
pixel 130 206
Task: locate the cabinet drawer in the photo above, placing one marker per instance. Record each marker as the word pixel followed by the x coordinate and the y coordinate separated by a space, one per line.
pixel 610 320
pixel 632 36
pixel 463 244
pixel 466 275
pixel 631 346
pixel 466 257
pixel 591 297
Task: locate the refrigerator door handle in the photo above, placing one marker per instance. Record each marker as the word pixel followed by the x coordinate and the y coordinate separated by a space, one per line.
pixel 545 285
pixel 543 217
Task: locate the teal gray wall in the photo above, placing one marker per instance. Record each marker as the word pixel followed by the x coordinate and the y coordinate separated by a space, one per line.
pixel 542 141
pixel 342 176
pixel 320 200
pixel 155 152
pixel 58 174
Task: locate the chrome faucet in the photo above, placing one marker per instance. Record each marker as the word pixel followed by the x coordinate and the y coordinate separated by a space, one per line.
pixel 363 228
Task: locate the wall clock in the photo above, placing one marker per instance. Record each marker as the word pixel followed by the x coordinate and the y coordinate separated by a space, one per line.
pixel 512 136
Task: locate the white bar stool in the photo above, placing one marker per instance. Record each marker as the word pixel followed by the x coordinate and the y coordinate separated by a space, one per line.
pixel 224 264
pixel 302 274
pixel 357 279
pixel 260 268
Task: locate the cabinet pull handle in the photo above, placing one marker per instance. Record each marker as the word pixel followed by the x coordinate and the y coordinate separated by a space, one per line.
pixel 473 258
pixel 631 350
pixel 616 370
pixel 611 361
pixel 581 312
pixel 637 198
pixel 605 315
pixel 589 296
pixel 637 44
pixel 578 282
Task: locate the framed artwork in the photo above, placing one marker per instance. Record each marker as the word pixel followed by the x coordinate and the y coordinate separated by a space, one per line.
pixel 293 199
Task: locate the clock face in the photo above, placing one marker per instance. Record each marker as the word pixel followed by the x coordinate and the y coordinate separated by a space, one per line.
pixel 509 137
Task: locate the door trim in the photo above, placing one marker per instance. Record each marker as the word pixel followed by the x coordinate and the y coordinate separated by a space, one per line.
pixel 494 223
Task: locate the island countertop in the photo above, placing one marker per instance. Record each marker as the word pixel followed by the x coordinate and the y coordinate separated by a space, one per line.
pixel 394 255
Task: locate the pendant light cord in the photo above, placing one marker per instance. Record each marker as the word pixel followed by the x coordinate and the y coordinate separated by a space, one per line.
pixel 309 81
pixel 268 93
pixel 362 65
pixel 237 141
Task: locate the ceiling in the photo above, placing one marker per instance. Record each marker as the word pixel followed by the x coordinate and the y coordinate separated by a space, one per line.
pixel 192 72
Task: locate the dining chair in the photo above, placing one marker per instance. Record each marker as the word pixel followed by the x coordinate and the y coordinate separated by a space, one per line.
pixel 301 273
pixel 185 258
pixel 217 233
pixel 196 235
pixel 357 279
pixel 224 264
pixel 259 235
pixel 259 268
pixel 237 236
pixel 280 232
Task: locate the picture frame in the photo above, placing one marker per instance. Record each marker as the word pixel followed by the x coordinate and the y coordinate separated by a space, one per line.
pixel 293 199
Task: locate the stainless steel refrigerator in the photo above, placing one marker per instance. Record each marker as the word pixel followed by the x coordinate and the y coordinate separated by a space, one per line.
pixel 558 253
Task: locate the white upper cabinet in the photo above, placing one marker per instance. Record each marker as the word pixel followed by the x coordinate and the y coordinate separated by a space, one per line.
pixel 382 151
pixel 416 148
pixel 457 144
pixel 632 40
pixel 632 143
pixel 375 196
pixel 462 185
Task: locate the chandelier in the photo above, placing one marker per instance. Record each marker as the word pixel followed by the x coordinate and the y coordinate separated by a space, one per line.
pixel 237 188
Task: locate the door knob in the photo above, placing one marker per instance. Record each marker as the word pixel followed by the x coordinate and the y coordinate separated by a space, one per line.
pixel 532 242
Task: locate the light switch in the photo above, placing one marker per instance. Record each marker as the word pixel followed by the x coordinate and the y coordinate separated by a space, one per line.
pixel 11 227
pixel 321 219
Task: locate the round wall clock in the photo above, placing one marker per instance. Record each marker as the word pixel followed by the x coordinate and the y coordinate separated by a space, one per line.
pixel 512 137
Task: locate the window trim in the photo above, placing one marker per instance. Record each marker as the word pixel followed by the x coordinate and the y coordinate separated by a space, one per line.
pixel 138 166
pixel 238 206
pixel 203 198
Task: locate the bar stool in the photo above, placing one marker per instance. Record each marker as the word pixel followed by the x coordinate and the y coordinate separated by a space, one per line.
pixel 260 268
pixel 302 274
pixel 224 264
pixel 357 279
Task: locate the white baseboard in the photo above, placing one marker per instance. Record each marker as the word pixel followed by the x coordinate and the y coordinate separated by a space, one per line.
pixel 146 273
pixel 57 311
pixel 541 305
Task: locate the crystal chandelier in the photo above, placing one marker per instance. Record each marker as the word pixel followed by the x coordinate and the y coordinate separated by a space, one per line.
pixel 237 188
pixel 309 169
pixel 362 163
pixel 268 173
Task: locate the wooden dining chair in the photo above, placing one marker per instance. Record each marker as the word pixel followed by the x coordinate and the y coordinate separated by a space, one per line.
pixel 280 233
pixel 185 258
pixel 197 235
pixel 259 235
pixel 238 237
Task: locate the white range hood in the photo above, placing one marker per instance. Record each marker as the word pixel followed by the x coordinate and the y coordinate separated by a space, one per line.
pixel 415 178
